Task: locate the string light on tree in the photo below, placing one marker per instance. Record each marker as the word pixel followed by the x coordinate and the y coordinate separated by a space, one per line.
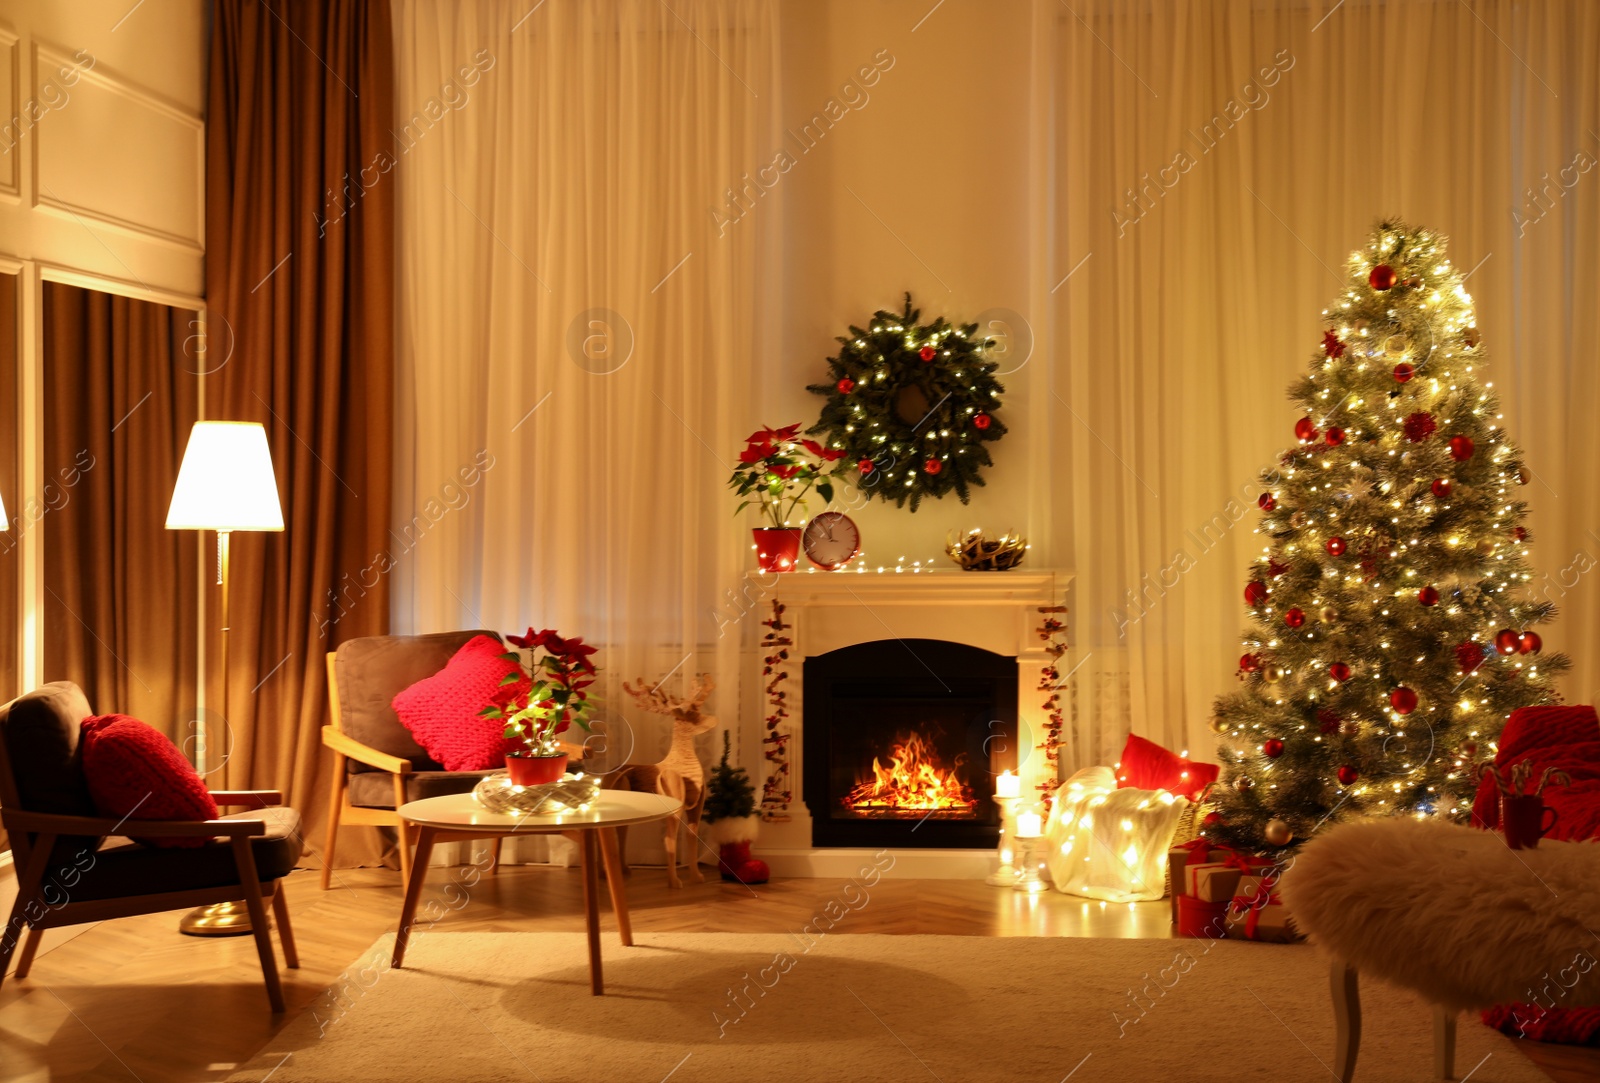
pixel 1393 518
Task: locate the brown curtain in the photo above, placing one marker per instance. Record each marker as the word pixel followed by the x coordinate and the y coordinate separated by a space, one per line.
pixel 300 285
pixel 120 590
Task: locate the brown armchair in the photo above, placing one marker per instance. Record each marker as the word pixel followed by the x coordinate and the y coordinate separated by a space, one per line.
pixel 73 867
pixel 377 765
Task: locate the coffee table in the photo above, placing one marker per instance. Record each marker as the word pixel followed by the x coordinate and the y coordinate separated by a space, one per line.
pixel 457 817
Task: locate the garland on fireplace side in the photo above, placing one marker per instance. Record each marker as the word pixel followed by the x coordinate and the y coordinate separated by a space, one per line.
pixel 1054 634
pixel 775 791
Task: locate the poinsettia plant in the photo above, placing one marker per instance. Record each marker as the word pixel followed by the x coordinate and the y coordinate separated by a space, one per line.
pixel 777 466
pixel 555 695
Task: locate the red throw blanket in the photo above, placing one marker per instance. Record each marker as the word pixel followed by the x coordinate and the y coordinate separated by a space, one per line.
pixel 1567 738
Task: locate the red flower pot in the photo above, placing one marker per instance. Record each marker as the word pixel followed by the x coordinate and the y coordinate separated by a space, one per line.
pixel 737 866
pixel 535 770
pixel 777 547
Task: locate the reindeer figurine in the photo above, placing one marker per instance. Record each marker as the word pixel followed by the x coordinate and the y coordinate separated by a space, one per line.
pixel 680 775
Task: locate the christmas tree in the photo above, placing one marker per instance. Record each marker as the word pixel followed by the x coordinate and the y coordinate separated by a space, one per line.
pixel 1391 633
pixel 729 794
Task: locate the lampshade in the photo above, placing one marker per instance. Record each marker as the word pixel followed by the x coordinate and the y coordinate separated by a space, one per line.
pixel 225 481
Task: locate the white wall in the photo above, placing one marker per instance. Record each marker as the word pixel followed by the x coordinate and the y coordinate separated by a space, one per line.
pixel 102 166
pixel 922 186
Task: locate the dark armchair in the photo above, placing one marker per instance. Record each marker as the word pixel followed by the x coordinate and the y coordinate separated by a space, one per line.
pixel 73 866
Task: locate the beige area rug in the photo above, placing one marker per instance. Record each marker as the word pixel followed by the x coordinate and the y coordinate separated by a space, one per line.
pixel 692 1007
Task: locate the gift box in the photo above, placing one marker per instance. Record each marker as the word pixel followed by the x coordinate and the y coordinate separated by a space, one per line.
pixel 1257 912
pixel 1201 919
pixel 1178 860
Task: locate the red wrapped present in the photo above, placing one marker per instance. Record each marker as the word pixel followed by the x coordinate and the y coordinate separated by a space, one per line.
pixel 1257 912
pixel 1201 919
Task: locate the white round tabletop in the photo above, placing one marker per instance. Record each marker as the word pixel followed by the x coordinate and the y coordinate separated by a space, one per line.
pixel 613 808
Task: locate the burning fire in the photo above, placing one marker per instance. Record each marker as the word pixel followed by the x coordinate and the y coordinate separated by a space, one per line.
pixel 914 781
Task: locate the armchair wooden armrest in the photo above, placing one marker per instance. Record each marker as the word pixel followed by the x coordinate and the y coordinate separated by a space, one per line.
pixel 49 823
pixel 248 798
pixel 346 745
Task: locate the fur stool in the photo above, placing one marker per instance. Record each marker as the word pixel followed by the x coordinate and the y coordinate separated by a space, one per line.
pixel 1450 912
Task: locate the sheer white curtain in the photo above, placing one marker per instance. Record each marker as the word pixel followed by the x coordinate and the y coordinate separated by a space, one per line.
pixel 1211 166
pixel 576 338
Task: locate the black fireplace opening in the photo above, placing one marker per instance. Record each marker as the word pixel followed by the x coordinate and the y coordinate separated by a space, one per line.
pixel 903 740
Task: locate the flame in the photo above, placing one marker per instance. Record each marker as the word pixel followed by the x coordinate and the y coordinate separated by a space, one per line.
pixel 913 781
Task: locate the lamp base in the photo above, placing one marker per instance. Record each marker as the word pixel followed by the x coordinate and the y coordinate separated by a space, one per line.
pixel 218 919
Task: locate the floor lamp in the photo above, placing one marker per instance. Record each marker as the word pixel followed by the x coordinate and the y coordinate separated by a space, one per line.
pixel 225 483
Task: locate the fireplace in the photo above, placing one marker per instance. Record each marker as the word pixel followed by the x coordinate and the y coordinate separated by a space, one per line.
pixel 903 739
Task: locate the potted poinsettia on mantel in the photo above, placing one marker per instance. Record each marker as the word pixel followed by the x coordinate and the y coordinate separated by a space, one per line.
pixel 776 470
pixel 553 699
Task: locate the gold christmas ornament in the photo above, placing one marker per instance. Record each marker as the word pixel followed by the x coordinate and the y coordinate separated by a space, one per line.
pixel 977 552
pixel 1328 614
pixel 1396 345
pixel 1278 833
pixel 1272 674
pixel 1244 783
pixel 1523 477
pixel 1486 547
pixel 1219 725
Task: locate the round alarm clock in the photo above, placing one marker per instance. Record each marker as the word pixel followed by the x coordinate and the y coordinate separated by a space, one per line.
pixel 831 540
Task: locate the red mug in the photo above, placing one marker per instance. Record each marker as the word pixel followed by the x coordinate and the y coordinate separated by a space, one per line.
pixel 1523 818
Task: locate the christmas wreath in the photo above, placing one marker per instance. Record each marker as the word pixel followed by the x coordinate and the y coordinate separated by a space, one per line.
pixel 912 406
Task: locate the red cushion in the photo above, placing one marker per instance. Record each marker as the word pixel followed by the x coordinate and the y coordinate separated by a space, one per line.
pixel 1148 766
pixel 135 771
pixel 441 711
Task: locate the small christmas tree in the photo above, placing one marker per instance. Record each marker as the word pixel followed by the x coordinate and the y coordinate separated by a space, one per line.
pixel 1391 634
pixel 729 794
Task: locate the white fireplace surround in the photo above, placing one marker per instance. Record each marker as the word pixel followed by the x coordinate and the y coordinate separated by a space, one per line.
pixel 996 611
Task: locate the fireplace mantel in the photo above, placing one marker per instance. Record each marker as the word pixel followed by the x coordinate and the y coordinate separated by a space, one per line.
pixel 997 611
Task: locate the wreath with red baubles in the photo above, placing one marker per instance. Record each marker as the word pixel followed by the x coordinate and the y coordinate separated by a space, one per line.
pixel 913 406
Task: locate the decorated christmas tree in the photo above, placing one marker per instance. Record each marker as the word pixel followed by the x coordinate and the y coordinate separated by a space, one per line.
pixel 1391 629
pixel 729 794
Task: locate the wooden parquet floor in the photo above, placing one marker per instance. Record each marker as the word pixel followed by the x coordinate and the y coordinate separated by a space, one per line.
pixel 132 999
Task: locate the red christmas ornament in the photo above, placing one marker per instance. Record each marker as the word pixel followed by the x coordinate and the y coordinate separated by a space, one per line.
pixel 1441 488
pixel 1518 534
pixel 926 353
pixel 1469 656
pixel 1265 502
pixel 1529 643
pixel 932 466
pixel 865 466
pixel 981 421
pixel 1305 430
pixel 1339 671
pixel 1419 426
pixel 1348 775
pixel 1382 277
pixel 1212 819
pixel 1335 436
pixel 1330 720
pixel 1461 448
pixel 1275 569
pixel 1403 372
pixel 1335 546
pixel 1403 700
pixel 1294 618
pixel 1255 592
pixel 846 386
pixel 1332 346
pixel 1272 747
pixel 1250 663
pixel 1428 596
pixel 1506 641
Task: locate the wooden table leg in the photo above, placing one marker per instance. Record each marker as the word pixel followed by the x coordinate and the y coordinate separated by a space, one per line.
pixel 611 851
pixel 408 911
pixel 591 908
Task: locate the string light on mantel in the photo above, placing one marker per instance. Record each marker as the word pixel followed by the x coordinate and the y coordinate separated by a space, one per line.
pixel 1391 627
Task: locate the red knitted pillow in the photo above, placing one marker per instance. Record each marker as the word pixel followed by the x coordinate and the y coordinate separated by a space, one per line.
pixel 1145 765
pixel 135 771
pixel 441 711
